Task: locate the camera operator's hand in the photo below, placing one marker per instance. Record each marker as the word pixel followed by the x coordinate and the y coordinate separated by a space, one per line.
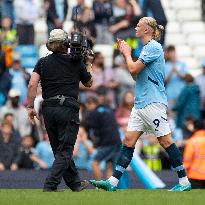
pixel 90 56
pixel 89 68
pixel 89 61
pixel 31 115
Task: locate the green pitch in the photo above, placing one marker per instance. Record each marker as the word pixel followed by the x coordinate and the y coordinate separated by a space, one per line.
pixel 100 197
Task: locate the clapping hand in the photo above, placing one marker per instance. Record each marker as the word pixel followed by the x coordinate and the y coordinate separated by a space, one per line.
pixel 123 47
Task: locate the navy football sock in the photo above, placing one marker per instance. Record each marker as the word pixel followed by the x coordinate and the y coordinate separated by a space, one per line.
pixel 123 161
pixel 176 160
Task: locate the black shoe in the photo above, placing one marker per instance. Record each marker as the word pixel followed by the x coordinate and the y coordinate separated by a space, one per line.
pixel 53 190
pixel 83 185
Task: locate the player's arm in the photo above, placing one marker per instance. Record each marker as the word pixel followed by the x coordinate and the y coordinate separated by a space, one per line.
pixel 134 67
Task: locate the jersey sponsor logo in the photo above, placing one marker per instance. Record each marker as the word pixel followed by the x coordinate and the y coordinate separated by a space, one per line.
pixel 164 118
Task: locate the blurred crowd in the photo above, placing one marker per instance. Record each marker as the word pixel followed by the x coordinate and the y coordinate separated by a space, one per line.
pixel 110 99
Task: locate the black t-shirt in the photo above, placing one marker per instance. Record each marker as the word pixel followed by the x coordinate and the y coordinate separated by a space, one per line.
pixel 60 75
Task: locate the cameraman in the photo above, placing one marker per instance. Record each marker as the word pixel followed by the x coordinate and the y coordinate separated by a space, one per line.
pixel 60 76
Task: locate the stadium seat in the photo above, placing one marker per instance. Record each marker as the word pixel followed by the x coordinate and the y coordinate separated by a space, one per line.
pixel 28 55
pixel 199 27
pixel 188 15
pixel 175 39
pixel 173 27
pixel 87 2
pixel 43 51
pixel 185 30
pixel 183 51
pixel 171 15
pixel 166 4
pixel 107 51
pixel 29 62
pixel 27 50
pixel 38 2
pixel 196 39
pixel 199 51
pixel 191 63
pixel 67 26
pixel 187 4
pixel 40 25
pixel 72 3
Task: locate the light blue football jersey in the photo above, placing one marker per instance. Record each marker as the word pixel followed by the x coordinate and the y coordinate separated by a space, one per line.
pixel 150 81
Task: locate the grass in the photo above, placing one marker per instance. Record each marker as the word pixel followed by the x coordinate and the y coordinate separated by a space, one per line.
pixel 100 197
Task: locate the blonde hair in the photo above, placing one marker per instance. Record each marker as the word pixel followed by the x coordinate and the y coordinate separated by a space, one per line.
pixel 154 25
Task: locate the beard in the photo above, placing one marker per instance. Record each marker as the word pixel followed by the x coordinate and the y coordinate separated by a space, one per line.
pixel 15 103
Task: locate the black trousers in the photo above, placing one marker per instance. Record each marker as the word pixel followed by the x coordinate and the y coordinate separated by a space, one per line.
pixel 62 124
